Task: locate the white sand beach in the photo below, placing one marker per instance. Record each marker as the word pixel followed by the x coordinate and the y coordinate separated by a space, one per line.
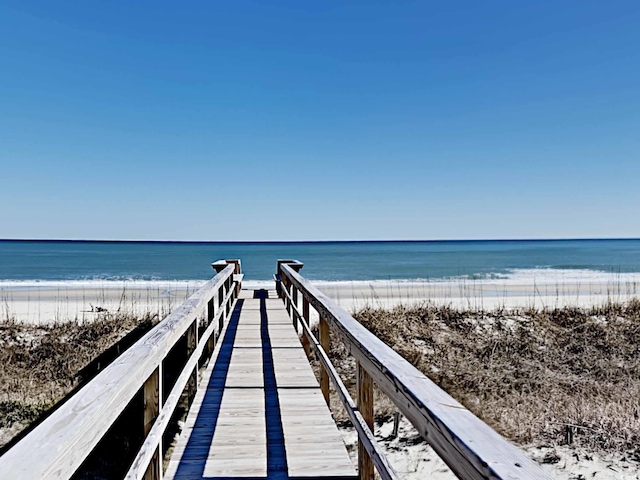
pixel 48 302
pixel 38 302
pixel 476 295
pixel 412 457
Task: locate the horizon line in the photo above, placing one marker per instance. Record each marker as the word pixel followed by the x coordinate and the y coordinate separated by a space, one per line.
pixel 267 242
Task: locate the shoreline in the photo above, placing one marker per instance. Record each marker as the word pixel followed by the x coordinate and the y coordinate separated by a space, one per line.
pixel 53 301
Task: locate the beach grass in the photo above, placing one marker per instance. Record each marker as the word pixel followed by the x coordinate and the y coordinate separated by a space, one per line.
pixel 540 377
pixel 41 364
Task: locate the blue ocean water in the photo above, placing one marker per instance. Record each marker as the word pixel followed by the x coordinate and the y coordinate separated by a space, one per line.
pixel 330 261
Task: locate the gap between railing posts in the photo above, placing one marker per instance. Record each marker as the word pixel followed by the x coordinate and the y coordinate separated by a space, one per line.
pixel 467 445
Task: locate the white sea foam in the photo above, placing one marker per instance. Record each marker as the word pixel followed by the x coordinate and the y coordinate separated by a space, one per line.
pixel 515 277
pixel 551 276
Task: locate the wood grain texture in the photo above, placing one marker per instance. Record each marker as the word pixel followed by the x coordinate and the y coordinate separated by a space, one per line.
pixel 470 447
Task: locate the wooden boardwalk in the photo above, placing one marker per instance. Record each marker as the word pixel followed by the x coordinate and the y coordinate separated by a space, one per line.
pixel 259 411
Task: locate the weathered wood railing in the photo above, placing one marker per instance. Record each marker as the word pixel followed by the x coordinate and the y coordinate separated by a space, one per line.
pixel 57 447
pixel 466 444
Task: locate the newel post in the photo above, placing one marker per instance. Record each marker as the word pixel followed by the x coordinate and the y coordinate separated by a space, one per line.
pixel 284 281
pixel 225 288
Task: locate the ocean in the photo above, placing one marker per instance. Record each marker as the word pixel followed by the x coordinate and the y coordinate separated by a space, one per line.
pixel 33 263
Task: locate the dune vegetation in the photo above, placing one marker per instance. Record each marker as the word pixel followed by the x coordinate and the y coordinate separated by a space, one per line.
pixel 538 377
pixel 41 364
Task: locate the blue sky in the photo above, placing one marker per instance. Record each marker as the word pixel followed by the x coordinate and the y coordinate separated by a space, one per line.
pixel 319 120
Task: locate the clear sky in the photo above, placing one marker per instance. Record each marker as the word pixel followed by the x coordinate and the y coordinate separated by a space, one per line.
pixel 267 120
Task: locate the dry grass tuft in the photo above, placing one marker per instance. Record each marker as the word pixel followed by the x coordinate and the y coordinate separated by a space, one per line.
pixel 40 364
pixel 536 376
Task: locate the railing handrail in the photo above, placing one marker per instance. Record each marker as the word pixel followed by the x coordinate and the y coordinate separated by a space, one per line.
pixel 58 446
pixel 471 448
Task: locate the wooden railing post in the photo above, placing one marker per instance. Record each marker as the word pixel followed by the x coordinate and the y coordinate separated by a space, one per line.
pixel 287 286
pixel 192 343
pixel 226 291
pixel 325 343
pixel 365 406
pixel 307 317
pixel 211 342
pixel 152 391
pixel 294 295
pixel 222 318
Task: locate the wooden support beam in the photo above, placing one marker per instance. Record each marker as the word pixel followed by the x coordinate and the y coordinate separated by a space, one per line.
pixel 365 407
pixel 325 343
pixel 152 392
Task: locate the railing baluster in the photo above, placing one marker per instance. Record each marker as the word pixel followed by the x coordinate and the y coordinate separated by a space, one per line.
pixel 294 295
pixel 306 315
pixel 287 286
pixel 227 289
pixel 211 313
pixel 192 343
pixel 152 404
pixel 325 343
pixel 365 407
